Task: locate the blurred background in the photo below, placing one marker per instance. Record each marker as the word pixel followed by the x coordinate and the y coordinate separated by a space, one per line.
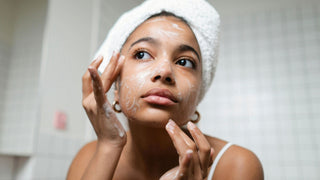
pixel 265 96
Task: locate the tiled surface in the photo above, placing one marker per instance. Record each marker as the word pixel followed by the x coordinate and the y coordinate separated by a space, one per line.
pixel 266 94
pixel 21 90
pixel 54 155
pixel 21 132
pixel 51 160
pixel 4 66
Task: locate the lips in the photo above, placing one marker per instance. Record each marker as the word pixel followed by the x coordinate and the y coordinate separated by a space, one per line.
pixel 160 96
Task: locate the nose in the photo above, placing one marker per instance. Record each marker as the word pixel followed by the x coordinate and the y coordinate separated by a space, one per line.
pixel 164 72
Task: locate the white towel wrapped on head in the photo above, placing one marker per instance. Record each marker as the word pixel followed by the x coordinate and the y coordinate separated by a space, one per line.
pixel 202 18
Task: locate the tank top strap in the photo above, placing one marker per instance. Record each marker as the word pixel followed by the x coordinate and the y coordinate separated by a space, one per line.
pixel 216 160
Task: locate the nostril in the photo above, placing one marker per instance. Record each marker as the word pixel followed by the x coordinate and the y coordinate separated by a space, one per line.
pixel 157 77
pixel 168 79
pixel 161 78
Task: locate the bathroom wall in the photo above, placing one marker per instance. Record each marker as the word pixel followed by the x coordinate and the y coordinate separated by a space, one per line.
pixel 51 45
pixel 5 46
pixel 6 25
pixel 21 99
pixel 21 30
pixel 65 56
pixel 266 92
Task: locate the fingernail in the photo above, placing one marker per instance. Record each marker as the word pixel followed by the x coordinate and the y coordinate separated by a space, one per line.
pixel 170 126
pixel 191 125
pixel 97 59
pixel 122 57
pixel 100 58
pixel 211 151
pixel 90 69
pixel 114 53
pixel 189 152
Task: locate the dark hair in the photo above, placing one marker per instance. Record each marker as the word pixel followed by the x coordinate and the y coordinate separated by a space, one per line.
pixel 166 13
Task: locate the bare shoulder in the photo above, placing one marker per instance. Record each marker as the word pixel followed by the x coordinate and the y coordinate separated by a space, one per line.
pixel 81 160
pixel 237 163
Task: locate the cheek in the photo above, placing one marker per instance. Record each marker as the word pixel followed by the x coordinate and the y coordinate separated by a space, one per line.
pixel 132 83
pixel 188 94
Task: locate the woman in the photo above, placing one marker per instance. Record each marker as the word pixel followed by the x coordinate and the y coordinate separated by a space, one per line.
pixel 166 63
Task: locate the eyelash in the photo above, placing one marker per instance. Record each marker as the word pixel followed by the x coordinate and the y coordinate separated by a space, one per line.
pixel 142 50
pixel 194 66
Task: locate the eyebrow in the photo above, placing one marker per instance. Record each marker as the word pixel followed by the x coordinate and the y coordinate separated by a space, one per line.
pixel 144 39
pixel 184 47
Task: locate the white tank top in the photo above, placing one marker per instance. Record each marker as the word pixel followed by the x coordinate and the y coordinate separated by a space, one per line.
pixel 215 162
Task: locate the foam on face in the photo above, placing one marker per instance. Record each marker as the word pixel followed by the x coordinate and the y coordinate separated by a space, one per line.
pixel 176 26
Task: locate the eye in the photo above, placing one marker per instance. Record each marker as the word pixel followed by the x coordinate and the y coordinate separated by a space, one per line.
pixel 186 63
pixel 142 55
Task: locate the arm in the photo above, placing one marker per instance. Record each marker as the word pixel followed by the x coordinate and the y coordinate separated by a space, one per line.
pixel 103 162
pixel 99 160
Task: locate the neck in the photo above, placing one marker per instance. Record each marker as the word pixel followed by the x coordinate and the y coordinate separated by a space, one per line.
pixel 150 149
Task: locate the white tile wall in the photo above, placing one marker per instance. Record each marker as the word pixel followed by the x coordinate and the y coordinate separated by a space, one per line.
pixel 22 130
pixel 21 93
pixel 5 51
pixel 66 54
pixel 54 155
pixel 4 66
pixel 266 92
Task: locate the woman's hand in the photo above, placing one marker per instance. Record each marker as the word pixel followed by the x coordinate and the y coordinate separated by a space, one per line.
pixel 102 117
pixel 195 157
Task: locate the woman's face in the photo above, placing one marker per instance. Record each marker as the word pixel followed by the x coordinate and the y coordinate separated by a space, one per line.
pixel 161 76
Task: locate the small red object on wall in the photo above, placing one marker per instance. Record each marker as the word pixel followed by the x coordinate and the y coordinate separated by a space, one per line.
pixel 60 120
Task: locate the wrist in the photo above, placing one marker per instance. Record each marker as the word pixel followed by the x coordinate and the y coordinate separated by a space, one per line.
pixel 107 147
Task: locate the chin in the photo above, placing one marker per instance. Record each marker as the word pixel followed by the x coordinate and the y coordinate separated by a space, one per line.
pixel 153 117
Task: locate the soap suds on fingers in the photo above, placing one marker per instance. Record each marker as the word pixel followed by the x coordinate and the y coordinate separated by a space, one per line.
pixel 109 112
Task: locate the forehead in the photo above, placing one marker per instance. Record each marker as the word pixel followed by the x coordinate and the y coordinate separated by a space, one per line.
pixel 165 28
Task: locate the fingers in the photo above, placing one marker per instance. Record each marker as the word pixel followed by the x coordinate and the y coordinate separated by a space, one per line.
pixel 203 153
pixel 185 168
pixel 108 76
pixel 180 142
pixel 97 87
pixel 204 148
pixel 86 79
pixel 112 71
pixel 183 144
